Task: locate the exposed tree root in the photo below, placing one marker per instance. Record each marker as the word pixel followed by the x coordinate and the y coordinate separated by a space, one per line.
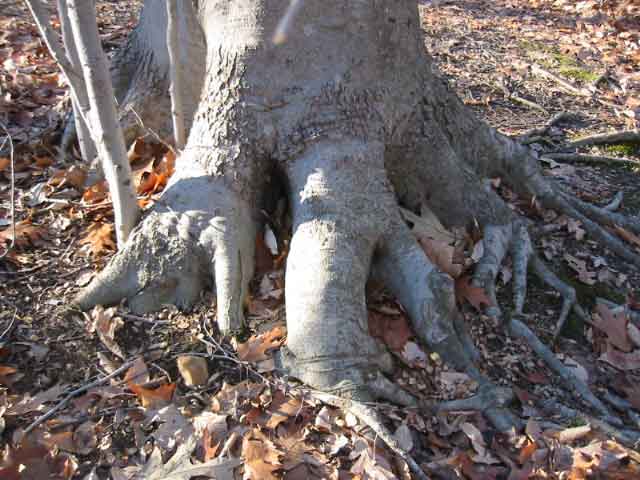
pixel 520 330
pixel 178 250
pixel 371 419
pixel 605 215
pixel 627 437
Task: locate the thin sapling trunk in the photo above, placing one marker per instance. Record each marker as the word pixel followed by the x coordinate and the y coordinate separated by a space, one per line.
pixel 106 130
pixel 80 101
pixel 175 88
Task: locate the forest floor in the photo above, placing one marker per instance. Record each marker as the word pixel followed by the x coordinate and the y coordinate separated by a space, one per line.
pixel 173 382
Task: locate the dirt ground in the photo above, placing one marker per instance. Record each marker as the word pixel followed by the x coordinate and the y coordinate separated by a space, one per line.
pixel 493 53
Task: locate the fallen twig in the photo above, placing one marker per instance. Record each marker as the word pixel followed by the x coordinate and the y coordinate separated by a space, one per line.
pixel 564 84
pixel 628 136
pixel 8 329
pixel 63 403
pixel 578 157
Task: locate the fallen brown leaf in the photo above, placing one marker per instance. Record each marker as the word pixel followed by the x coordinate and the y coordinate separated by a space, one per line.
pixel 615 325
pixel 580 267
pixel 153 398
pixel 105 324
pixel 282 407
pixel 193 369
pixel 476 296
pixel 100 239
pixel 262 458
pixel 27 234
pixel 620 360
pixel 393 330
pixel 255 349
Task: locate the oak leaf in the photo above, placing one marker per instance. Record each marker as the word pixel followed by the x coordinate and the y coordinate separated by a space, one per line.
pixel 282 407
pixel 614 323
pixel 476 296
pixel 100 239
pixel 262 459
pixel 255 349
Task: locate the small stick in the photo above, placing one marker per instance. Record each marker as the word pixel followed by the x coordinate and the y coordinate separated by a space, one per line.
pixel 63 403
pixel 628 136
pixel 564 84
pixel 8 329
pixel 577 157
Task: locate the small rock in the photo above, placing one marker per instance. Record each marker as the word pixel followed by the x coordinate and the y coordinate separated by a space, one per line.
pixel 193 369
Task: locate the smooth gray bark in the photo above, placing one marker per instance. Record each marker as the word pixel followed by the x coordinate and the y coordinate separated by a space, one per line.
pixel 175 87
pixel 106 129
pixel 81 107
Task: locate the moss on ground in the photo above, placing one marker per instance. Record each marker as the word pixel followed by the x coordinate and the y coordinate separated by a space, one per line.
pixel 550 57
pixel 622 149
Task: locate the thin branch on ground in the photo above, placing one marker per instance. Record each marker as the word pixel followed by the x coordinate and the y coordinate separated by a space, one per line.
pixel 10 327
pixel 614 138
pixel 564 84
pixel 63 403
pixel 580 158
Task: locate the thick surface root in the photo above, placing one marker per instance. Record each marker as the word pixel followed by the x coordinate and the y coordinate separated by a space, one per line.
pixel 334 237
pixel 197 233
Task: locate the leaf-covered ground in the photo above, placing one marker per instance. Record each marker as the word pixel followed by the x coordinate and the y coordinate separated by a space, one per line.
pixel 163 396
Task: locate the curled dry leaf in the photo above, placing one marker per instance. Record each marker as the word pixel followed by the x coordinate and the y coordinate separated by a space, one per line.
pixel 193 369
pixel 436 241
pixel 138 373
pixel 282 408
pixel 105 324
pixel 153 397
pixel 580 267
pixel 231 396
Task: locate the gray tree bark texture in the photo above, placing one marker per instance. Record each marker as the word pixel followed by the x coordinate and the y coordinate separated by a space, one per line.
pixel 348 109
pixel 103 119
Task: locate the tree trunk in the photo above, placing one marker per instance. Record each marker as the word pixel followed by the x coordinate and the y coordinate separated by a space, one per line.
pixel 350 110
